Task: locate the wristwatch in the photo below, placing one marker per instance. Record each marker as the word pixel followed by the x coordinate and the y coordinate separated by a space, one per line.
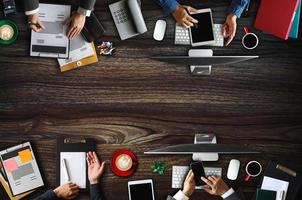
pixel 84 11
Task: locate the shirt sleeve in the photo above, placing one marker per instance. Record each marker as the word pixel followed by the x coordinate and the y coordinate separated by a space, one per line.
pixel 84 11
pixel 237 7
pixel 180 196
pixel 168 5
pixel 87 4
pixel 31 12
pixel 95 192
pixel 31 6
pixel 228 193
pixel 48 195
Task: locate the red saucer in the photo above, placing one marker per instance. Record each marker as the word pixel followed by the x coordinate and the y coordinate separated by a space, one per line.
pixel 118 172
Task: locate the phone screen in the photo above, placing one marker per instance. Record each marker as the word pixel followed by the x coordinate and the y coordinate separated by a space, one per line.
pixel 198 171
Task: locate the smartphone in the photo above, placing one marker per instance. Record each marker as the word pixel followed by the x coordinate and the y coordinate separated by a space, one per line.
pixel 198 171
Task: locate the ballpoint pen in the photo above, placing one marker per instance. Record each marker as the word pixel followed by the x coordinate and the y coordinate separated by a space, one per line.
pixel 65 170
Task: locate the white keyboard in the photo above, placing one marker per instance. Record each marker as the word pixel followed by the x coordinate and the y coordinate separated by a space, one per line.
pixel 179 174
pixel 182 35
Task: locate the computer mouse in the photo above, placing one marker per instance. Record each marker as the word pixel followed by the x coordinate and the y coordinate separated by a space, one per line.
pixel 233 169
pixel 159 30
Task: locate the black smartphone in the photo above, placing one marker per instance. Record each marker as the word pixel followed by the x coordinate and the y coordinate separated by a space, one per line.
pixel 9 7
pixel 198 171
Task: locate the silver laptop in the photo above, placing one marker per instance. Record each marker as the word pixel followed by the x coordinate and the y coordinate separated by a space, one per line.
pixel 52 41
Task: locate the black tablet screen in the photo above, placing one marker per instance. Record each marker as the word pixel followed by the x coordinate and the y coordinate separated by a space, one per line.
pixel 141 191
pixel 203 30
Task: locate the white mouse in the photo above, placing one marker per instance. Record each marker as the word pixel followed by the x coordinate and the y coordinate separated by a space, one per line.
pixel 233 169
pixel 159 30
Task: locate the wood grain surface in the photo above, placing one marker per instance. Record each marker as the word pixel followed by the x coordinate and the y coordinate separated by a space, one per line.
pixel 131 101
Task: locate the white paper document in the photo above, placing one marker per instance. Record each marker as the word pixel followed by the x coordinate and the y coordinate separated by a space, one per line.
pixel 51 41
pixel 275 185
pixel 76 167
pixel 79 49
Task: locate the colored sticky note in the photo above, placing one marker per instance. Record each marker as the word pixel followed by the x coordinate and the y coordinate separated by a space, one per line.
pixel 25 155
pixel 10 165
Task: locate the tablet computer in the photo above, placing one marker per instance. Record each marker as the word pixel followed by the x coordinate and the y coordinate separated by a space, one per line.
pixel 21 169
pixel 202 33
pixel 142 189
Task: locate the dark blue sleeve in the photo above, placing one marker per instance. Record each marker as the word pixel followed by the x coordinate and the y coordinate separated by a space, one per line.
pixel 167 5
pixel 95 192
pixel 237 7
pixel 48 195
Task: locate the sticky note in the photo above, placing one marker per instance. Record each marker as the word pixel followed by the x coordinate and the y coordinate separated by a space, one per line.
pixel 25 155
pixel 10 165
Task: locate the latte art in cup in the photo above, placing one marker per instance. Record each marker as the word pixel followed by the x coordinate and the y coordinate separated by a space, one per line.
pixel 6 32
pixel 123 162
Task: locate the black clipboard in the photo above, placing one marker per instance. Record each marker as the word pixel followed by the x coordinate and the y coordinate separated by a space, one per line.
pixel 73 145
pixel 295 182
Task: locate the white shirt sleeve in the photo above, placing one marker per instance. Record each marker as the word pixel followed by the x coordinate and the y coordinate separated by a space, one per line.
pixel 228 193
pixel 31 12
pixel 180 196
pixel 84 11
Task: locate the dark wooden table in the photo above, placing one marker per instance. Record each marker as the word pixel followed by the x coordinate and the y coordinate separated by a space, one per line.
pixel 130 101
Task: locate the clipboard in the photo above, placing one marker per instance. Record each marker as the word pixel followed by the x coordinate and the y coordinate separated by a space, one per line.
pixel 73 145
pixel 295 182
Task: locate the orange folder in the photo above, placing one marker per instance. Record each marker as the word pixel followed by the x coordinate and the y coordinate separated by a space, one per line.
pixel 8 191
pixel 83 62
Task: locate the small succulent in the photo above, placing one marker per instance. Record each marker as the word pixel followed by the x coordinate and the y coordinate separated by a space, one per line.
pixel 159 167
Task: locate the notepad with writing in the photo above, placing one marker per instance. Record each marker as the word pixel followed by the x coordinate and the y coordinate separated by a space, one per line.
pixel 76 167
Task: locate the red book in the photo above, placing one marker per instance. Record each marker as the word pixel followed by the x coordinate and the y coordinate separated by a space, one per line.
pixel 276 17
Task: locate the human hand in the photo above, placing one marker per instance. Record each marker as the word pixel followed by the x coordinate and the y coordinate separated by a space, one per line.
pixel 229 28
pixel 216 186
pixel 76 23
pixel 67 191
pixel 189 184
pixel 182 16
pixel 95 169
pixel 34 22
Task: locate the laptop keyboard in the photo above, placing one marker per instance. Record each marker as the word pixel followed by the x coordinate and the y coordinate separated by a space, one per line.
pixel 179 174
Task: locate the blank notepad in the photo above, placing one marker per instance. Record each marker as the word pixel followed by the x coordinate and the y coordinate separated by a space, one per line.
pixel 76 165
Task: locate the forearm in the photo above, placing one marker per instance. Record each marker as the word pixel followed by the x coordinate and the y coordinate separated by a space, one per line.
pixel 48 195
pixel 237 7
pixel 95 191
pixel 87 4
pixel 31 6
pixel 168 5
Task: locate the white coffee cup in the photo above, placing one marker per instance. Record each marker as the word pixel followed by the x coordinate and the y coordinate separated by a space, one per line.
pixel 249 40
pixel 252 169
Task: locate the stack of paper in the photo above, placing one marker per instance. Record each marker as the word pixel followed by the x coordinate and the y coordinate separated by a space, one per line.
pixel 275 185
